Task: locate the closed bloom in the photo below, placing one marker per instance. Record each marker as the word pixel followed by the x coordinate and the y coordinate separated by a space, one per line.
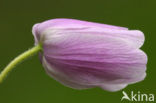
pixel 82 54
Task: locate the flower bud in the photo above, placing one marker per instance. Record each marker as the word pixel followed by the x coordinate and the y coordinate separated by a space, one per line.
pixel 82 54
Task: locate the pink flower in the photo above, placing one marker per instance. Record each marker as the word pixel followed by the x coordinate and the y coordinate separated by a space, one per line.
pixel 82 54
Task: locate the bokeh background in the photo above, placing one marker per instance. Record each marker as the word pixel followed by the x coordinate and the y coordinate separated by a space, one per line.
pixel 28 83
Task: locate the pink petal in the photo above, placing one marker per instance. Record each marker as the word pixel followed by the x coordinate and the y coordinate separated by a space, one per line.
pixel 72 23
pixel 113 87
pixel 51 71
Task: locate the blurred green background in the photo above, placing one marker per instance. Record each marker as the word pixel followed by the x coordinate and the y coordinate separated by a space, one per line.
pixel 28 83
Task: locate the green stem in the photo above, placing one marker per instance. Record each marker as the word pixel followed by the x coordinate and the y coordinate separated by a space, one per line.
pixel 18 60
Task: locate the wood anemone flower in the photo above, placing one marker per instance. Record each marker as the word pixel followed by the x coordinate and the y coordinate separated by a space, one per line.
pixel 82 54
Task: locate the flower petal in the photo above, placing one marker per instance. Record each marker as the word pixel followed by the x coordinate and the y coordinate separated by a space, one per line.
pixel 72 23
pixel 52 71
pixel 71 26
pixel 113 87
